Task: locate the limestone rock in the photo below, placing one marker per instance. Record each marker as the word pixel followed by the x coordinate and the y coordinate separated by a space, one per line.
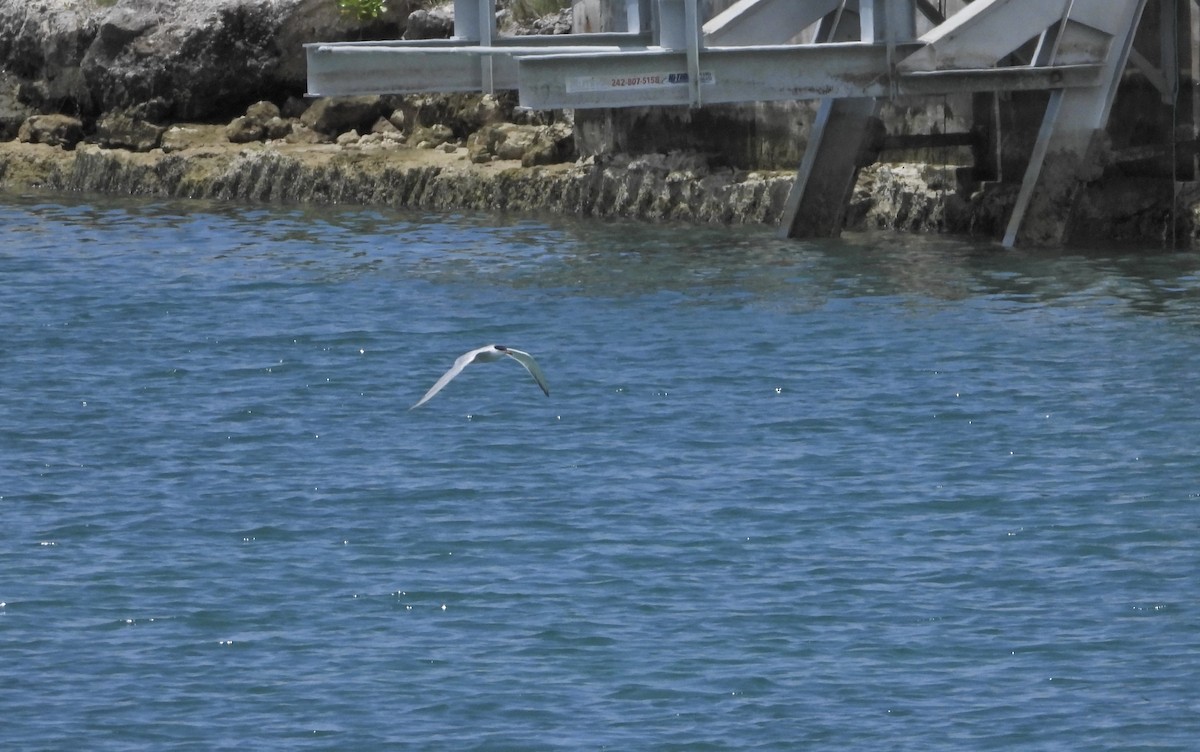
pixel 481 145
pixel 122 25
pixel 907 197
pixel 431 137
pixel 262 111
pixel 554 143
pixel 261 121
pixel 126 130
pixel 13 112
pixel 302 134
pixel 515 141
pixel 243 130
pixel 377 140
pixel 207 59
pixel 531 144
pixel 202 56
pixel 462 113
pixel 385 127
pixel 277 127
pixel 55 130
pixel 180 137
pixel 293 107
pixel 156 110
pixel 40 46
pixel 558 22
pixel 303 21
pixel 334 115
pixel 431 23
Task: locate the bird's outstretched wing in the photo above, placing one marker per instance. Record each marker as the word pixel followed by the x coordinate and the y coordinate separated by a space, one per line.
pixel 462 362
pixel 531 365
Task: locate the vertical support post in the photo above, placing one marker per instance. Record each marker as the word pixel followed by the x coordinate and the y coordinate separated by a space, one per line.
pixel 1033 171
pixel 1178 66
pixel 829 29
pixel 487 30
pixel 1192 32
pixel 870 29
pixel 691 23
pixel 1052 37
pixel 672 22
pixel 679 29
pixel 901 24
pixel 475 21
pixel 985 130
pixel 901 21
pixel 467 20
pixel 1168 45
pixel 600 16
pixel 840 142
pixel 1066 153
pixel 845 135
pixel 888 22
pixel 636 17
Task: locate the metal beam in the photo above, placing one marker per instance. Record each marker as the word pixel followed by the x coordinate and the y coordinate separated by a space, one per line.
pixel 887 21
pixel 1033 171
pixel 1168 44
pixel 471 23
pixel 1071 43
pixel 443 65
pixel 1024 78
pixel 930 12
pixel 840 142
pixel 983 33
pixel 1066 152
pixel 740 74
pixel 692 29
pixel 487 30
pixel 1156 77
pixel 727 74
pixel 342 71
pixel 739 56
pixel 759 22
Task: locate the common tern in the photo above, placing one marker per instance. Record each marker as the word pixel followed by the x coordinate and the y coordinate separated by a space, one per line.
pixel 486 354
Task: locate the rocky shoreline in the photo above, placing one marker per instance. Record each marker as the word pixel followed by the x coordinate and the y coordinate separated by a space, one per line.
pixel 137 97
pixel 102 97
pixel 650 188
pixel 439 153
pixel 201 163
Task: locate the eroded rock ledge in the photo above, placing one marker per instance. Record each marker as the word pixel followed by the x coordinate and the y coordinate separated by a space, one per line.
pixel 675 187
pixel 653 187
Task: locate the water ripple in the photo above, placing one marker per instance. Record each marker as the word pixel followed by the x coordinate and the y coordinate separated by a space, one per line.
pixel 881 492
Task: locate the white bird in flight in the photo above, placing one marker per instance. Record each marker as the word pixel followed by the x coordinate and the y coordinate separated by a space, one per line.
pixel 486 354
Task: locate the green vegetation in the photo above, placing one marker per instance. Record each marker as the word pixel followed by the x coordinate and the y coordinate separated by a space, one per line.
pixel 362 10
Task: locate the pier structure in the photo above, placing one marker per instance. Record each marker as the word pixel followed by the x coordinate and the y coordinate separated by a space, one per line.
pixel 850 55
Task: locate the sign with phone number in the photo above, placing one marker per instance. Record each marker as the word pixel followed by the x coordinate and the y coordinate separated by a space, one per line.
pixel 639 81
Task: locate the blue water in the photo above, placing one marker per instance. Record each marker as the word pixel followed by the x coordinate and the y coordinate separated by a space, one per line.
pixel 881 493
